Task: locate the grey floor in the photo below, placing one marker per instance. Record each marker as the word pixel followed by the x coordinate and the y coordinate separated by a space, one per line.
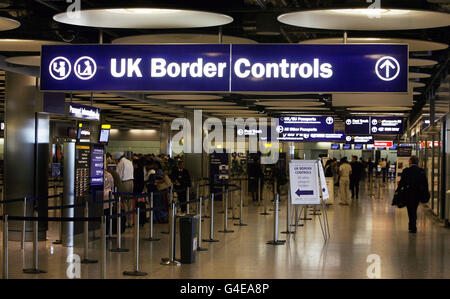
pixel 368 226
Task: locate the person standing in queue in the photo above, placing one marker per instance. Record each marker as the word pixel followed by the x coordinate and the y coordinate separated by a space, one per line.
pixel 181 181
pixel 125 170
pixel 383 166
pixel 355 177
pixel 345 170
pixel 370 168
pixel 415 181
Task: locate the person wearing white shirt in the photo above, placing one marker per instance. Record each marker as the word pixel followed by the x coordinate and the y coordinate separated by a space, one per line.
pixel 345 170
pixel 125 170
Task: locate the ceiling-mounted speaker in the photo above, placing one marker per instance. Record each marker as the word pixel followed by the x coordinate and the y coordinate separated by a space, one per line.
pixel 267 24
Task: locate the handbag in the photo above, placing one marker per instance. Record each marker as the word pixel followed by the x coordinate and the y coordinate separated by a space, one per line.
pixel 401 196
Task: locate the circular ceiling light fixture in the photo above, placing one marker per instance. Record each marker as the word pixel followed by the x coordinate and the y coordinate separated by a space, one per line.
pixel 181 38
pixel 8 24
pixel 142 18
pixel 421 62
pixel 25 60
pixel 418 75
pixel 24 45
pixel 379 108
pixel 366 19
pixel 415 45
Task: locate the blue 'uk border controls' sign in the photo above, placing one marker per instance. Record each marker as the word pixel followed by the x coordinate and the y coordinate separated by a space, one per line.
pixel 226 68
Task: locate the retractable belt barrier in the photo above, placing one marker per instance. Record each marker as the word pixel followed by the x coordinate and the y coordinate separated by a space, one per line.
pixel 103 220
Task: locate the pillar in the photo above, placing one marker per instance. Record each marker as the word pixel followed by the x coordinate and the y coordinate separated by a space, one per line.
pixel 26 156
pixel 165 139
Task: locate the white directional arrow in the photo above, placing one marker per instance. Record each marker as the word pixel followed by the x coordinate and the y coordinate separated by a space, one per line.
pixel 388 65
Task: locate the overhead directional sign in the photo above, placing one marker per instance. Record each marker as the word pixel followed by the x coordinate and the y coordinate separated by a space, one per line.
pixel 374 125
pixel 296 126
pixel 368 139
pixel 226 68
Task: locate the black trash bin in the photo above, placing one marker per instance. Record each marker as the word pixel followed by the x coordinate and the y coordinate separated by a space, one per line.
pixel 188 238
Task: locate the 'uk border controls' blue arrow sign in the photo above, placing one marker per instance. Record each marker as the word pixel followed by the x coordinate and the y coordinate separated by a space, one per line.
pixel 226 68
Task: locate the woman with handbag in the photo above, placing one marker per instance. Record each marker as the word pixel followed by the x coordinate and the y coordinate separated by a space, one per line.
pixel 412 190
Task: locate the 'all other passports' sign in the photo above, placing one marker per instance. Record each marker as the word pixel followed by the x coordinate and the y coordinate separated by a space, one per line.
pixel 226 68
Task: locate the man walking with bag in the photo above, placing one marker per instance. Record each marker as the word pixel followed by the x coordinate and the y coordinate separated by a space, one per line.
pixel 415 182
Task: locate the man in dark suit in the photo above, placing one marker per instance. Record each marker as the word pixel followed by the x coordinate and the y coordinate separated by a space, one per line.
pixel 355 177
pixel 182 180
pixel 415 178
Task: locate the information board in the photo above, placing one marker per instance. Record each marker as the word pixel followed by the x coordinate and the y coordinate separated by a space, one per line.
pixel 97 165
pixel 351 139
pixel 304 182
pixel 365 125
pixel 304 127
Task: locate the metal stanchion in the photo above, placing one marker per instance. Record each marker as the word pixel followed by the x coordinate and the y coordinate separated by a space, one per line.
pixel 288 215
pixel 199 225
pixel 241 209
pixel 103 248
pixel 110 222
pixel 86 259
pixel 5 247
pixel 225 215
pixel 136 271
pixel 275 240
pixel 187 200
pixel 171 260
pixel 59 241
pixel 211 221
pixel 264 199
pixel 223 201
pixel 119 230
pixel 233 216
pixel 150 237
pixel 24 224
pixel 168 223
pixel 259 191
pixel 379 188
pixel 207 202
pixel 36 269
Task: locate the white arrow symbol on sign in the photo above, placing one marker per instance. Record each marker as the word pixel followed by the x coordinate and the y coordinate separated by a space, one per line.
pixel 387 63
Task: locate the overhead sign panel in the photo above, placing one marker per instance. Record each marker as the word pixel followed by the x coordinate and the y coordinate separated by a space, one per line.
pixel 352 139
pixel 83 112
pixel 226 68
pixel 374 125
pixel 291 126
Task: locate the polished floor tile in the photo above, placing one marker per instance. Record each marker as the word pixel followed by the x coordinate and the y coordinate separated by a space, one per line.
pixel 368 227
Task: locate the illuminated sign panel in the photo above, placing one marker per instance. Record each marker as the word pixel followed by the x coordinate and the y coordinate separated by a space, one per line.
pixel 374 125
pixel 226 68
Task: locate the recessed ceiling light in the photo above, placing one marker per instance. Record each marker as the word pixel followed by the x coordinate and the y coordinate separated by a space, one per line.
pixel 158 18
pixel 366 19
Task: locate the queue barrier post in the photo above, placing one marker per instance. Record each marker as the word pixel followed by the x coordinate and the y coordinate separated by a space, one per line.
pixel 168 222
pixel 233 214
pixel 24 224
pixel 172 225
pixel 110 221
pixel 288 215
pixel 136 271
pixel 225 214
pixel 119 229
pixel 35 269
pixel 5 247
pixel 241 208
pixel 103 248
pixel 150 237
pixel 199 229
pixel 86 259
pixel 211 221
pixel 275 240
pixel 259 191
pixel 59 241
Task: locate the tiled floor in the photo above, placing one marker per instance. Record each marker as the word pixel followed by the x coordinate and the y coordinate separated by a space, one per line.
pixel 368 226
